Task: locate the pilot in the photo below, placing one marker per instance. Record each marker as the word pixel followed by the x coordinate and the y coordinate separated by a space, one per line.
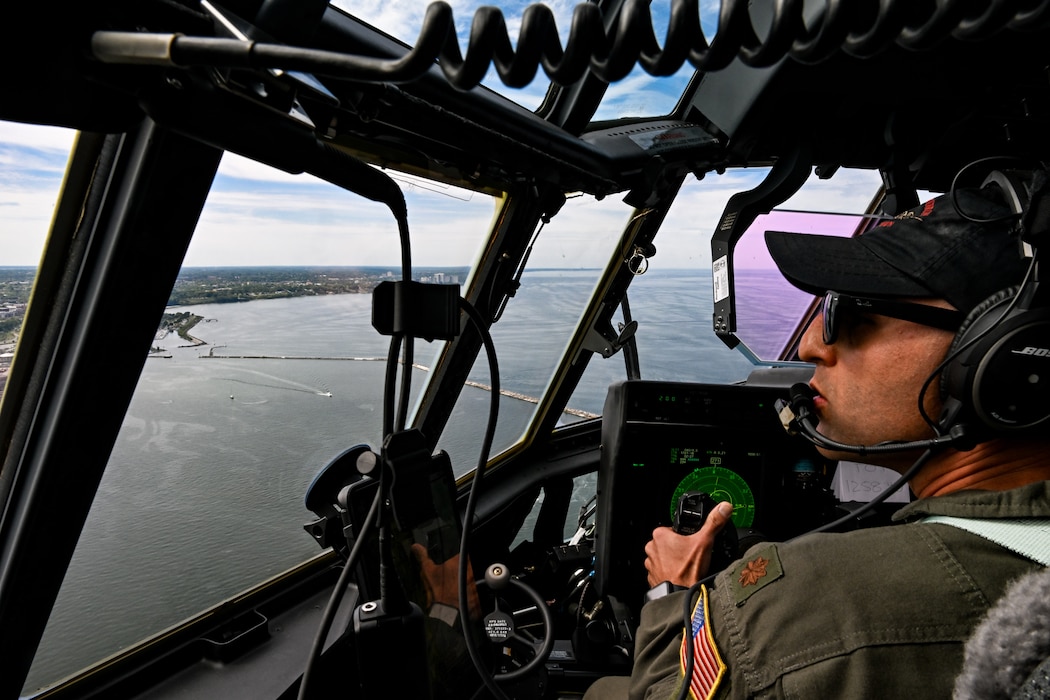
pixel 880 612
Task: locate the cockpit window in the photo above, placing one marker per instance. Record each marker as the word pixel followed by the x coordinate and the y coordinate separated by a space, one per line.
pixel 264 368
pixel 32 160
pixel 769 330
pixel 769 310
pixel 566 261
pixel 671 302
pixel 671 299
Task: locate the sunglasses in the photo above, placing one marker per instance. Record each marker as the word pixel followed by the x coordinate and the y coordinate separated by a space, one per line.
pixel 837 309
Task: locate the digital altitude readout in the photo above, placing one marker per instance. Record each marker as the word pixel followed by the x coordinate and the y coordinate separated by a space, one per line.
pixel 723 485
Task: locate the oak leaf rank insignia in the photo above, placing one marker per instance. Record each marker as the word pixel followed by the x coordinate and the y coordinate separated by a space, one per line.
pixel 753 570
pixel 760 567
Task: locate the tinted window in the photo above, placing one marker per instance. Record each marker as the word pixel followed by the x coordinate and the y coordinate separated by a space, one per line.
pixel 672 300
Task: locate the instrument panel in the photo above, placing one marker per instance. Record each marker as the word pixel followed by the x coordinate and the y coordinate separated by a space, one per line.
pixel 661 440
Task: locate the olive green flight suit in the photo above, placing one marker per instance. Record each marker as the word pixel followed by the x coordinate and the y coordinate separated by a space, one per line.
pixel 879 613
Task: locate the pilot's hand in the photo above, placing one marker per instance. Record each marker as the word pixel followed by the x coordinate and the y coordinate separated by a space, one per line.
pixel 441 581
pixel 684 559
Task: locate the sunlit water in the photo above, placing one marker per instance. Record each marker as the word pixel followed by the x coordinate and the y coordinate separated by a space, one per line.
pixel 203 496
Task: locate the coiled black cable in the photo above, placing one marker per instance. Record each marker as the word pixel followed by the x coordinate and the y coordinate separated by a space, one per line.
pixel 861 28
pixel 858 27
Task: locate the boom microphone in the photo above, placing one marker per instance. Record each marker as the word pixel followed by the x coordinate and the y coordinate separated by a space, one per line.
pixel 798 416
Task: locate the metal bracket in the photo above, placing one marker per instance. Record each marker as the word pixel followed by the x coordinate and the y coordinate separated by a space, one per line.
pixel 784 179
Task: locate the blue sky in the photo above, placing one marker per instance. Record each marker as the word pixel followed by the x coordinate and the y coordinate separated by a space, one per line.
pixel 637 95
pixel 259 216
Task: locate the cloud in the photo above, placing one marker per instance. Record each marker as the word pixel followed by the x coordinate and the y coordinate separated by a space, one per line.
pixel 582 235
pixel 404 20
pixel 257 215
pixel 252 218
pixel 640 94
pixel 48 139
pixel 32 163
pixel 849 191
pixel 684 238
pixel 257 218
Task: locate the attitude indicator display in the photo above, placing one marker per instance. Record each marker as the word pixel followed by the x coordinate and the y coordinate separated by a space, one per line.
pixel 723 485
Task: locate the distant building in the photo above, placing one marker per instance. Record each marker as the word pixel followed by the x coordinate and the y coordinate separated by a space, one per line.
pixel 440 278
pixel 9 310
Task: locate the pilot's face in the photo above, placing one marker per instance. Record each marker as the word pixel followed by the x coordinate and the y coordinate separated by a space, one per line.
pixel 868 381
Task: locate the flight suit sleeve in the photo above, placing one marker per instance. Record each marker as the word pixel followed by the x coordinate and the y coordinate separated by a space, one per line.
pixel 658 642
pixel 657 649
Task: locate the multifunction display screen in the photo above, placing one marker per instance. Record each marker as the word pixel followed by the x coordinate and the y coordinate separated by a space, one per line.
pixel 662 440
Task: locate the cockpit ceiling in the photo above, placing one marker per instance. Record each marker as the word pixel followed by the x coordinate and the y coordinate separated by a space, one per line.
pixel 900 109
pixel 927 112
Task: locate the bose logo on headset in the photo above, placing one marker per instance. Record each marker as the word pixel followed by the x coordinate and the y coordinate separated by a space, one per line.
pixel 1037 352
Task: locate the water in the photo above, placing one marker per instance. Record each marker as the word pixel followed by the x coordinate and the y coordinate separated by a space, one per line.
pixel 203 495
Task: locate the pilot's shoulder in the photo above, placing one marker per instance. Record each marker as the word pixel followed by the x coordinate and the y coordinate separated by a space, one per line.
pixel 789 611
pixel 823 559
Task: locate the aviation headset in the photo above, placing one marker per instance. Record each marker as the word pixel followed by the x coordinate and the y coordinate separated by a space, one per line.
pixel 996 376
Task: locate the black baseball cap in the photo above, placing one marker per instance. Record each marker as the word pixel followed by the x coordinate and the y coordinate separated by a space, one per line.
pixel 961 254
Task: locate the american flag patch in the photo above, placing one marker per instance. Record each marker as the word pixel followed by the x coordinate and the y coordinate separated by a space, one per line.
pixel 708 667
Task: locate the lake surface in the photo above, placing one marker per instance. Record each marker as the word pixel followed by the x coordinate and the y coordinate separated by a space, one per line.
pixel 203 496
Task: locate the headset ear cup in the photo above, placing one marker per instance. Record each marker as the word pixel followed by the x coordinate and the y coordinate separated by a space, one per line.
pixel 998 376
pixel 963 336
pixel 953 377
